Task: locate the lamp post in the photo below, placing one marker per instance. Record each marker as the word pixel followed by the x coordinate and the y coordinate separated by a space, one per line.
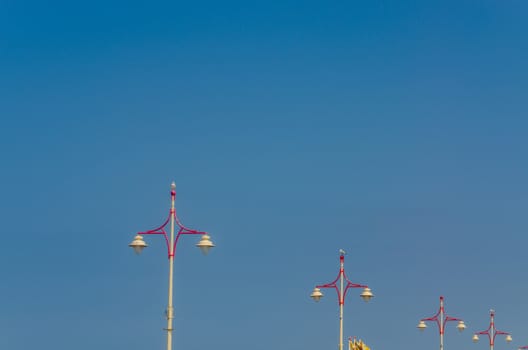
pixel 138 244
pixel 341 290
pixel 492 332
pixel 441 319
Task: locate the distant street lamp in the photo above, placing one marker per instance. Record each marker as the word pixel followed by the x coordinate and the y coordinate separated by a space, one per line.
pixel 138 244
pixel 341 290
pixel 441 319
pixel 492 332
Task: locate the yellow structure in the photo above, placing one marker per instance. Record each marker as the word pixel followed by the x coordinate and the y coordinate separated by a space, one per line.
pixel 355 344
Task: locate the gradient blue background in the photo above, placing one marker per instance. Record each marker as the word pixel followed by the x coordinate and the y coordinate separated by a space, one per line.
pixel 394 130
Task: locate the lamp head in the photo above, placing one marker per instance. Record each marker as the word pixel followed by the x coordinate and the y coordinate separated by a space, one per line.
pixel 475 338
pixel 509 338
pixel 366 294
pixel 316 294
pixel 421 326
pixel 461 325
pixel 138 244
pixel 205 244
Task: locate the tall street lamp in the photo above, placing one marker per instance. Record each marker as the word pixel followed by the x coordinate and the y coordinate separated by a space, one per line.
pixel 138 244
pixel 341 290
pixel 492 332
pixel 441 318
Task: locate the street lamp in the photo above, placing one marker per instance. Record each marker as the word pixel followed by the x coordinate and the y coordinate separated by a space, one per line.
pixel 341 290
pixel 441 319
pixel 138 244
pixel 492 332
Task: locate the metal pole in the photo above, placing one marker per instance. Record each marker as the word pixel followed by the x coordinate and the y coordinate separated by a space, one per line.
pixel 492 330
pixel 341 301
pixel 170 308
pixel 441 323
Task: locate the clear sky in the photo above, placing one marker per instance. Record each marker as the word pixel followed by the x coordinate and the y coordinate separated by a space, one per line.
pixel 395 130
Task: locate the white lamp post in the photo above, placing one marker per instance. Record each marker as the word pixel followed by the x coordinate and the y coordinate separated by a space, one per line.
pixel 492 332
pixel 138 244
pixel 440 318
pixel 366 295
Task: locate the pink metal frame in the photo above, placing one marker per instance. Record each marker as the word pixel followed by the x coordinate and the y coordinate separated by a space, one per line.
pixel 523 347
pixel 348 285
pixel 492 332
pixel 182 229
pixel 446 318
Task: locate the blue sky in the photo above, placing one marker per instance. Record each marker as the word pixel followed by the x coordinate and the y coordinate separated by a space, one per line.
pixel 393 130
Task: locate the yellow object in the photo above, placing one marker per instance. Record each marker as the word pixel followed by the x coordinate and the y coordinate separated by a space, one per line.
pixel 351 345
pixel 357 345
